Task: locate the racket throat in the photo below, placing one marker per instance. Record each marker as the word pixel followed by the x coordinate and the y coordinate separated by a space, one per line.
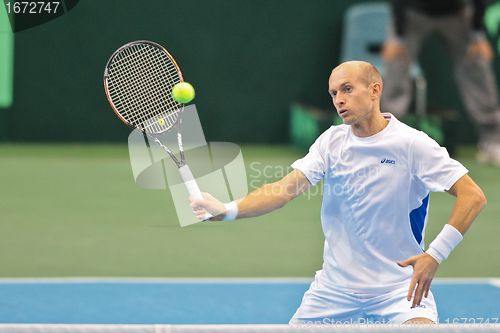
pixel 177 162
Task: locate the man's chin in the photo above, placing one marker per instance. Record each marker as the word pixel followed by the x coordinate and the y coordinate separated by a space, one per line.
pixel 347 121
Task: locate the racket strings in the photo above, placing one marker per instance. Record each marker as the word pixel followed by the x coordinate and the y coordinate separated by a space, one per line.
pixel 141 87
pixel 139 83
pixel 123 93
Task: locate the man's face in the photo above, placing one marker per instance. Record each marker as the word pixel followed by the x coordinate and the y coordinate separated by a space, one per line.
pixel 350 94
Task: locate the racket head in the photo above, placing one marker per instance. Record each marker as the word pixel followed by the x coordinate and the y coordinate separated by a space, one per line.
pixel 138 80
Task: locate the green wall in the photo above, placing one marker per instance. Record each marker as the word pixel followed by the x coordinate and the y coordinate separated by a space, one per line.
pixel 6 59
pixel 248 61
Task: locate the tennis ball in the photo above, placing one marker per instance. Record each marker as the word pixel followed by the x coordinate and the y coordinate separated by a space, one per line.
pixel 183 92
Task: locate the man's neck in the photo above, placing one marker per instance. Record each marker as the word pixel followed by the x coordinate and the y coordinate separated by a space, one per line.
pixel 370 127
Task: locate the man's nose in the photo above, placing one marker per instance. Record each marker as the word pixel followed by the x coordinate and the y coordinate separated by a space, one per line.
pixel 339 100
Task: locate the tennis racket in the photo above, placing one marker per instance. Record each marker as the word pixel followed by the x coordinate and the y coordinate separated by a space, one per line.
pixel 138 80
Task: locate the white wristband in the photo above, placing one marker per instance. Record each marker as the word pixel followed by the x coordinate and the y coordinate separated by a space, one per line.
pixel 445 242
pixel 231 211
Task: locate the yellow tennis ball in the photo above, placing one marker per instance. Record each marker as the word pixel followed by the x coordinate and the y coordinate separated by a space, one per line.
pixel 183 92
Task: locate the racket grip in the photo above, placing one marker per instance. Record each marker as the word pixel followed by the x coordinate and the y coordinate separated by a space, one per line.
pixel 191 186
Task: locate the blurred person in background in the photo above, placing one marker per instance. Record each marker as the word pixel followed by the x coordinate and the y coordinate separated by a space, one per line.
pixel 460 26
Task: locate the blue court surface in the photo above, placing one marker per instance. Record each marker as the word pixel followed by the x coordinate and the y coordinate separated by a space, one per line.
pixel 204 301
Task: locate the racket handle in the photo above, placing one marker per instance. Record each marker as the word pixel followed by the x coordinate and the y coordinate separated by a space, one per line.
pixel 191 186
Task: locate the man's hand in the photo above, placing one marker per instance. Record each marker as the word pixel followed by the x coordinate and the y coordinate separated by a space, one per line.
pixel 480 48
pixel 424 268
pixel 393 50
pixel 209 204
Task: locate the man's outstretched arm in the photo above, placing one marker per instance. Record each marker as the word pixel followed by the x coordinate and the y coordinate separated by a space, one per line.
pixel 470 201
pixel 263 200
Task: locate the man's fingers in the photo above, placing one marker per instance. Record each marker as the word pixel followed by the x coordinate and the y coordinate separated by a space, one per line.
pixel 207 196
pixel 417 297
pixel 422 290
pixel 201 214
pixel 198 209
pixel 199 204
pixel 424 267
pixel 427 288
pixel 412 288
pixel 208 204
pixel 407 262
pixel 194 203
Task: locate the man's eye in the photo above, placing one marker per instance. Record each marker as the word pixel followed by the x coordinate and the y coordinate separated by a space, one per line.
pixel 347 89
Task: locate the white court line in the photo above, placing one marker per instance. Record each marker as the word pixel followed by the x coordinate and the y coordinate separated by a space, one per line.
pixel 187 280
pixel 464 280
pixel 190 280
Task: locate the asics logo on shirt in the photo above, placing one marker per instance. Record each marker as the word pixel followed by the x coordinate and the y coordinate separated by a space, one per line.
pixel 387 161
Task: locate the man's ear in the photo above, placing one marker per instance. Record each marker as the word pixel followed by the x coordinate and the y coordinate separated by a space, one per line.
pixel 376 90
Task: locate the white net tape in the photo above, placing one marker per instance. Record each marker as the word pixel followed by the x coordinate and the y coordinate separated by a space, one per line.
pixel 52 328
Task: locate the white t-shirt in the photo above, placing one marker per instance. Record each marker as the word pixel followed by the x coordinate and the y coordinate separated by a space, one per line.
pixel 375 201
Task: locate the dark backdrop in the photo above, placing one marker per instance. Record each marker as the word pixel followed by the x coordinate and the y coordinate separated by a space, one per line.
pixel 248 61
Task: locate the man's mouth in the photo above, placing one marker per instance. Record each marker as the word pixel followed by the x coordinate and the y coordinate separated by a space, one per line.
pixel 342 111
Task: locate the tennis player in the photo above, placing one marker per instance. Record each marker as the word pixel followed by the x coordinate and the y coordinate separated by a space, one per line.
pixel 378 174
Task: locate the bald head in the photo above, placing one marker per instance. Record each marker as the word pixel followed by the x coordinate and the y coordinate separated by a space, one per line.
pixel 363 70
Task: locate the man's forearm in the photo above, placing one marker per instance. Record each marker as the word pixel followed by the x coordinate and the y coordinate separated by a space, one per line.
pixel 467 207
pixel 470 201
pixel 272 196
pixel 263 200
